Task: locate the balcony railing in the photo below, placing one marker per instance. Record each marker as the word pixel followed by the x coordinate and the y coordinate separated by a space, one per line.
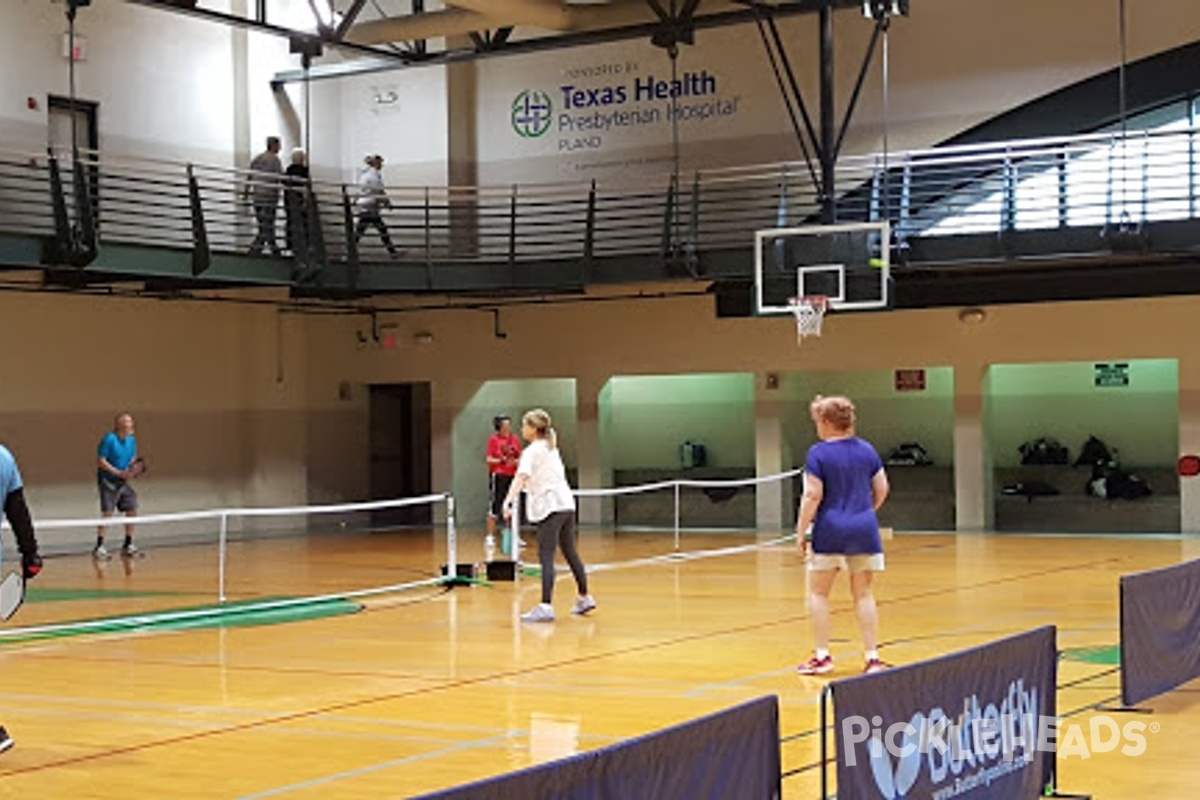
pixel 79 206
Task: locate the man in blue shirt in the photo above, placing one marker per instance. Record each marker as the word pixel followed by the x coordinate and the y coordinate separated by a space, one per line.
pixel 116 463
pixel 14 508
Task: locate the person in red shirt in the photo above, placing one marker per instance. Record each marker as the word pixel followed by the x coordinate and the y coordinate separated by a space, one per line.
pixel 503 453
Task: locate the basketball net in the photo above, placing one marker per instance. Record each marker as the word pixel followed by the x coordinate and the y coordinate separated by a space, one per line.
pixel 809 312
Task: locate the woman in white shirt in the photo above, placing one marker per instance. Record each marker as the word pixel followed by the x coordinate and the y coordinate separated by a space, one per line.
pixel 551 506
pixel 372 200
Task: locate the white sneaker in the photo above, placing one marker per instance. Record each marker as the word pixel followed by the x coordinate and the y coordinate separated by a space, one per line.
pixel 101 553
pixel 583 605
pixel 131 551
pixel 542 612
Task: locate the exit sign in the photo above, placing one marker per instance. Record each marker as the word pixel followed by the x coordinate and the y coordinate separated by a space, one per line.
pixel 1112 375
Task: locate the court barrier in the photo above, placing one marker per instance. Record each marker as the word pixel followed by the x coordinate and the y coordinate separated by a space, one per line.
pixel 730 754
pixel 1160 630
pixel 975 724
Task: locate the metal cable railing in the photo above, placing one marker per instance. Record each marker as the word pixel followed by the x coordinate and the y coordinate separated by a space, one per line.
pixel 1103 180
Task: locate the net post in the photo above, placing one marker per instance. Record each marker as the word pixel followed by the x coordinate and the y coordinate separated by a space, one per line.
pixel 677 486
pixel 222 546
pixel 451 542
pixel 452 577
pixel 515 522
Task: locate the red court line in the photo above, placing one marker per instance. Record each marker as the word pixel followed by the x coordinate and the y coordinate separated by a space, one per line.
pixel 458 684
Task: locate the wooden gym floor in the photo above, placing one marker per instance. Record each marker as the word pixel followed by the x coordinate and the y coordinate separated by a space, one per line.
pixel 427 688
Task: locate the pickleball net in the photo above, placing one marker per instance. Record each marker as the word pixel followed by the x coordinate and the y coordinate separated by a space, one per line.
pixel 236 565
pixel 679 519
pixel 243 565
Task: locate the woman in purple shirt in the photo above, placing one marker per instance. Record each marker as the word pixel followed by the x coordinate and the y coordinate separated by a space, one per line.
pixel 844 485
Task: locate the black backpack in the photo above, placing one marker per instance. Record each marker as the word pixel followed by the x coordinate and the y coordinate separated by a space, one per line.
pixel 1092 453
pixel 1043 451
pixel 1111 482
pixel 909 454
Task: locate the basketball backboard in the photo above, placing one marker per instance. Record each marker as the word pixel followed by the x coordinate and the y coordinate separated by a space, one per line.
pixel 847 263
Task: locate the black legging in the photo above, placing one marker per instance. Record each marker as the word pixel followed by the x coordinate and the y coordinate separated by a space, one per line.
pixel 558 530
pixel 376 221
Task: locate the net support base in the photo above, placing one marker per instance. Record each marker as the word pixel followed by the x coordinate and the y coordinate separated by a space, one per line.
pixel 502 570
pixel 464 575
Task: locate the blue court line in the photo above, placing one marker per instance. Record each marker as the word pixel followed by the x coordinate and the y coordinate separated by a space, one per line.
pixel 382 766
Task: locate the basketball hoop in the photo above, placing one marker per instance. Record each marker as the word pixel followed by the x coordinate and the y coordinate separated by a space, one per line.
pixel 809 312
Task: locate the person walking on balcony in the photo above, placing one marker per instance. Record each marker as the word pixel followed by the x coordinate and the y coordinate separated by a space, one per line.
pixel 295 203
pixel 372 199
pixel 262 189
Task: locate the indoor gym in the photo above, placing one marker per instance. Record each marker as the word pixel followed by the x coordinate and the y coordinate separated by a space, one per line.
pixel 281 638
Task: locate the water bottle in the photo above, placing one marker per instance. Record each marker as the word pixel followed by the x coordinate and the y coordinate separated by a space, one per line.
pixel 489 548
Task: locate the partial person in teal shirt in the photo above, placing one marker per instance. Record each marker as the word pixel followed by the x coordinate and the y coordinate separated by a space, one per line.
pixel 14 508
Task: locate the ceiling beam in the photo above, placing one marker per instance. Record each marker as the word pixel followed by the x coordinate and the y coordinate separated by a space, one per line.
pixel 348 19
pixel 395 59
pixel 464 17
pixel 550 15
pixel 557 42
pixel 451 21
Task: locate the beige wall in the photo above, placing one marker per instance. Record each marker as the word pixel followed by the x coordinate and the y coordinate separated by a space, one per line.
pixel 240 405
pixel 218 393
pixel 593 342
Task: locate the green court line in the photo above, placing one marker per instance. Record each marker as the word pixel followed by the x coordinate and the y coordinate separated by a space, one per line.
pixel 1108 655
pixel 230 615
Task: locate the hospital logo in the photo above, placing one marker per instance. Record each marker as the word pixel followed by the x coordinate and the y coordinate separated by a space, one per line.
pixel 531 114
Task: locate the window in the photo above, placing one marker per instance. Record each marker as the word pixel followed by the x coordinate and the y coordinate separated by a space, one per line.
pixel 1152 172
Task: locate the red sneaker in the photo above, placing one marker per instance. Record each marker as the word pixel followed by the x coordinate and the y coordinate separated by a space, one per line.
pixel 874 665
pixel 816 666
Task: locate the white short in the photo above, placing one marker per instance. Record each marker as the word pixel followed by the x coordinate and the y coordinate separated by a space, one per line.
pixel 825 562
